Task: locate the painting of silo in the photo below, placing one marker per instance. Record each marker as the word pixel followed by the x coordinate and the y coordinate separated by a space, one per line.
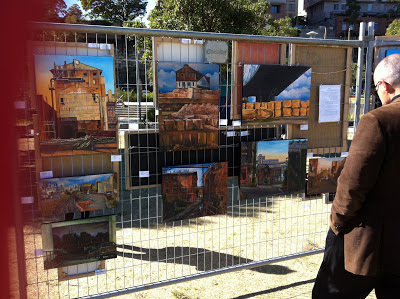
pixel 323 174
pixel 272 168
pixel 190 191
pixel 275 94
pixel 188 99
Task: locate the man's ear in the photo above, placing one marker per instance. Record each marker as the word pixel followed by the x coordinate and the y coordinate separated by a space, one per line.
pixel 389 88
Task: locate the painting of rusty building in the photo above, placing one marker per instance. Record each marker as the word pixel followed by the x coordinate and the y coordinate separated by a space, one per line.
pixel 77 96
pixel 191 191
pixel 188 99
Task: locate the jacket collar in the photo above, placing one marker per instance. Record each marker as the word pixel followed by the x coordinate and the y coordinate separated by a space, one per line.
pixel 395 99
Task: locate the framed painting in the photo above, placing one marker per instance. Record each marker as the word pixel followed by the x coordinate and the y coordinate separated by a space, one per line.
pixel 78 241
pixel 190 191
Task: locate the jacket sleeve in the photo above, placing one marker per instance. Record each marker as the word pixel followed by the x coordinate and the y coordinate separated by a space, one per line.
pixel 359 174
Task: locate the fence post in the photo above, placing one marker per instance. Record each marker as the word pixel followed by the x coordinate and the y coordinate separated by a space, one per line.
pixel 368 67
pixel 360 66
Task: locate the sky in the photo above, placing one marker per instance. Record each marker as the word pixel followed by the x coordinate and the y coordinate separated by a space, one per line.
pixel 276 149
pixel 326 163
pixel 88 179
pixel 299 89
pixel 90 228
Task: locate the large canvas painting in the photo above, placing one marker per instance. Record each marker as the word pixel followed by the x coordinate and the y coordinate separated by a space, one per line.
pixel 78 194
pixel 76 104
pixel 277 94
pixel 79 241
pixel 190 191
pixel 188 99
pixel 323 174
pixel 272 167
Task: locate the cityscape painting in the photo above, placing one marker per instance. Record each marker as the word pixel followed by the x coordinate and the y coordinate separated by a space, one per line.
pixel 188 100
pixel 76 100
pixel 78 194
pixel 190 191
pixel 278 94
pixel 272 168
pixel 323 174
pixel 79 241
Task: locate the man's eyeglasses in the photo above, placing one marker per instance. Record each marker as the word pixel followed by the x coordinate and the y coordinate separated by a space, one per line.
pixel 374 90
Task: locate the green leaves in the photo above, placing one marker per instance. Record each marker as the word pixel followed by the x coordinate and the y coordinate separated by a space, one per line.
pixel 394 28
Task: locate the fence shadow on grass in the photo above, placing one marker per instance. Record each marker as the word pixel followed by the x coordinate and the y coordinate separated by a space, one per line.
pixel 202 259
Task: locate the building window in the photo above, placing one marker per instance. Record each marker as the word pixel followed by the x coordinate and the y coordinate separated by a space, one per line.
pixel 369 7
pixel 84 74
pixel 344 6
pixel 335 6
pixel 94 74
pixel 94 81
pixel 344 26
pixel 292 7
pixel 275 9
pixel 62 101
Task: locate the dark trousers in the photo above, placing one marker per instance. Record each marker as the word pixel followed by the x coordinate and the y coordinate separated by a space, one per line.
pixel 333 281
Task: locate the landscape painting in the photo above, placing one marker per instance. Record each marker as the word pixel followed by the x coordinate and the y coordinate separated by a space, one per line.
pixel 79 241
pixel 323 174
pixel 275 94
pixel 273 167
pixel 76 104
pixel 78 194
pixel 190 191
pixel 188 101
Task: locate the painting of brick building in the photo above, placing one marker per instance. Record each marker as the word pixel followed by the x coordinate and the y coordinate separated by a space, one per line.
pixel 323 174
pixel 191 191
pixel 188 99
pixel 76 100
pixel 276 94
pixel 272 167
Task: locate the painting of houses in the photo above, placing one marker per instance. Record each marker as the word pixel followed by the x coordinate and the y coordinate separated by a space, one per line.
pixel 79 241
pixel 323 174
pixel 76 100
pixel 275 94
pixel 188 99
pixel 191 191
pixel 78 194
pixel 272 167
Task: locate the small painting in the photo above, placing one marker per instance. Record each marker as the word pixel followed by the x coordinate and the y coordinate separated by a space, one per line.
pixel 323 174
pixel 79 241
pixel 274 167
pixel 275 94
pixel 188 99
pixel 78 194
pixel 191 191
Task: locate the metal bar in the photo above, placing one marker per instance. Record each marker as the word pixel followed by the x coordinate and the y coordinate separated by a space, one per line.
pixel 203 275
pixel 368 68
pixel 191 34
pixel 360 65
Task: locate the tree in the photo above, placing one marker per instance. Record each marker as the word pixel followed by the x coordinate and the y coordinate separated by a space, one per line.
pixel 52 10
pixel 280 27
pixel 352 12
pixel 74 14
pixel 236 16
pixel 394 28
pixel 115 10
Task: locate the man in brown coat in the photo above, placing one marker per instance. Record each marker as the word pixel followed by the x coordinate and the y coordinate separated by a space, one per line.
pixel 362 250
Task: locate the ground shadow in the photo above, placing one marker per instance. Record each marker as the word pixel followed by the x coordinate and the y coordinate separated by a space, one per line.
pixel 202 259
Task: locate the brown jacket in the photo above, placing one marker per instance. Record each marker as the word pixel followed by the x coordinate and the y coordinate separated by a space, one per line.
pixel 367 203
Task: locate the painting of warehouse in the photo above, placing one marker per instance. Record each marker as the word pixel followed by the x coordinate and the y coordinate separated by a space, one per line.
pixel 276 94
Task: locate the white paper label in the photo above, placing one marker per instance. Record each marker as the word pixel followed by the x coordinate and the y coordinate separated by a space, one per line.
pixel 344 154
pixel 244 133
pixel 100 271
pixel 303 127
pixel 198 41
pixel 27 199
pixel 236 123
pixel 230 134
pixel 223 122
pixel 144 174
pixel 116 158
pixel 186 41
pixel 20 104
pixel 46 174
pixel 38 252
pixel 329 103
pixel 310 155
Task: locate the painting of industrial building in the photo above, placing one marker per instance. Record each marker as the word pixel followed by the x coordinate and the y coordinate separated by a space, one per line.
pixel 79 241
pixel 76 103
pixel 78 194
pixel 191 191
pixel 188 100
pixel 323 174
pixel 272 168
pixel 275 94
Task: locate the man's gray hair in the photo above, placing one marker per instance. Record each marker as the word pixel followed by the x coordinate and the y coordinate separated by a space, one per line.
pixel 388 70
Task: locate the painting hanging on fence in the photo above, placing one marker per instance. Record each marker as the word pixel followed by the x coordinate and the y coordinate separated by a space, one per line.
pixel 272 168
pixel 78 241
pixel 323 174
pixel 78 194
pixel 188 100
pixel 275 94
pixel 190 191
pixel 76 104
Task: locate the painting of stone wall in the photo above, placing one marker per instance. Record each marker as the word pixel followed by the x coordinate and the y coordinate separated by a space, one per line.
pixel 188 99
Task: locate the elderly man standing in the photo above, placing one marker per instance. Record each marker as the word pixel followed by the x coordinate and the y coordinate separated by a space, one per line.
pixel 362 250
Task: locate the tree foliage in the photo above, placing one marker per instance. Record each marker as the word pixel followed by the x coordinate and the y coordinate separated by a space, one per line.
pixel 74 14
pixel 236 16
pixel 352 12
pixel 394 28
pixel 52 10
pixel 280 27
pixel 115 10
